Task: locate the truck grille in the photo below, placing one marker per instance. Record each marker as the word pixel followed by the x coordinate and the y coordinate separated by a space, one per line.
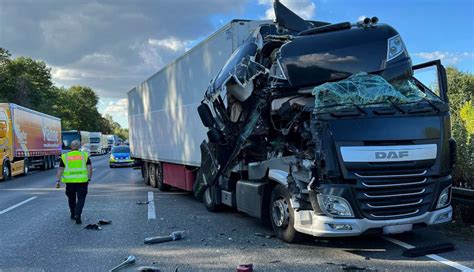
pixel 393 195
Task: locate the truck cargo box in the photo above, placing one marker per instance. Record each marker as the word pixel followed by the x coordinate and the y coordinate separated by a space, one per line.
pixel 33 133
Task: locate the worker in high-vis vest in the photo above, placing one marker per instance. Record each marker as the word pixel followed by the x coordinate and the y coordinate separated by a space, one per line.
pixel 75 170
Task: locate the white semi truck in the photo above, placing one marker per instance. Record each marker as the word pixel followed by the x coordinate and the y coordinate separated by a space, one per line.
pixel 313 127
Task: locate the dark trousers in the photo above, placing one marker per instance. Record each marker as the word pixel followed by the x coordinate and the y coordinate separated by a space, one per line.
pixel 76 194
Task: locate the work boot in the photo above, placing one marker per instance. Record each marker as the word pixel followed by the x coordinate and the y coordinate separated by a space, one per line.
pixel 78 219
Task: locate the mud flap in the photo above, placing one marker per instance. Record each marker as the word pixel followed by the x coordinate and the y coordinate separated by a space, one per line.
pixel 208 171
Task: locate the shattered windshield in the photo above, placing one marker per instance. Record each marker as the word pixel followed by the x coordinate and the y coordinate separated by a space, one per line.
pixel 363 89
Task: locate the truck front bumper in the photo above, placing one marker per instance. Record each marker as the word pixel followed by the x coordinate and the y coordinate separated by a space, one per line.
pixel 323 226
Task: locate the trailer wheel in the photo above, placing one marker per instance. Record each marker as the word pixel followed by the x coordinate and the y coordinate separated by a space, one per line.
pixel 209 201
pixel 145 173
pixel 6 171
pixel 50 162
pixel 282 215
pixel 152 174
pixel 159 179
pixel 44 164
pixel 26 167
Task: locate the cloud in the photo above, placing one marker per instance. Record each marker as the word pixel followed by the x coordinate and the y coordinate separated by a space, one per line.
pixel 110 46
pixel 117 108
pixel 303 8
pixel 447 57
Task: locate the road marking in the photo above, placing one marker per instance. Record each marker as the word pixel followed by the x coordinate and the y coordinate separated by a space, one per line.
pixel 432 256
pixel 151 206
pixel 17 205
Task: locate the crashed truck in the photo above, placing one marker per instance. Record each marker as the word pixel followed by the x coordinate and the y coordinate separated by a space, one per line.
pixel 314 128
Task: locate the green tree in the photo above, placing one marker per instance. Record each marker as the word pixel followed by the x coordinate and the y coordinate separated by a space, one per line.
pixel 461 93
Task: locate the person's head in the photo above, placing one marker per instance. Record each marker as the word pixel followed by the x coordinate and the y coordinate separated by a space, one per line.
pixel 75 145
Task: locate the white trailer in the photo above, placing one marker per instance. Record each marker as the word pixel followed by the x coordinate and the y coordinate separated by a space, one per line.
pixel 163 119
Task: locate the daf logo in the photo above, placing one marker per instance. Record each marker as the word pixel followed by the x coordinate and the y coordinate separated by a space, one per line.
pixel 391 154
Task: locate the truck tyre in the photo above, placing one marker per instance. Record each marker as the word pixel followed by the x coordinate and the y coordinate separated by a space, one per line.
pixel 44 164
pixel 159 179
pixel 53 161
pixel 50 162
pixel 26 167
pixel 209 201
pixel 6 171
pixel 152 174
pixel 282 215
pixel 145 174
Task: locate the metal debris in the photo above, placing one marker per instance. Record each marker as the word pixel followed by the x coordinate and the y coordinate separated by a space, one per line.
pixel 130 260
pixel 175 235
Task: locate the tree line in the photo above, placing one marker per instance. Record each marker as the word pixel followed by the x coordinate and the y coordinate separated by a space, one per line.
pixel 27 82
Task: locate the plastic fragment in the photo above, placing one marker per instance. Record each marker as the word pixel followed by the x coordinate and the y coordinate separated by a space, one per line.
pixel 93 227
pixel 104 222
pixel 426 250
pixel 245 268
pixel 148 269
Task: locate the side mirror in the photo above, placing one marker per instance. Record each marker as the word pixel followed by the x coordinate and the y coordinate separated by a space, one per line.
pixel 206 115
pixel 3 129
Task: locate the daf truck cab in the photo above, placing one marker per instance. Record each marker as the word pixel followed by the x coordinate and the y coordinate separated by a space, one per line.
pixel 323 129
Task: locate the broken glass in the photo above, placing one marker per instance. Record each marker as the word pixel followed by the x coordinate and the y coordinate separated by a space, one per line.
pixel 363 89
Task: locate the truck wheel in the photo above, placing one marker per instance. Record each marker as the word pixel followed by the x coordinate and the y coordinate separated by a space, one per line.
pixel 26 167
pixel 50 162
pixel 5 171
pixel 209 201
pixel 282 215
pixel 159 179
pixel 152 173
pixel 44 164
pixel 145 174
pixel 53 161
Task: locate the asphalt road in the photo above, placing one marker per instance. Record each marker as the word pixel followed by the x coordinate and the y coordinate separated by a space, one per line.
pixel 39 236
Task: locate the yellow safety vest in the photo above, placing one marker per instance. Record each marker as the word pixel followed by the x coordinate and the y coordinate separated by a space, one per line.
pixel 75 167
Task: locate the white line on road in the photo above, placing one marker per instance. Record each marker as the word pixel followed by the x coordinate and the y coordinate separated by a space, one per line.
pixel 17 205
pixel 432 256
pixel 151 206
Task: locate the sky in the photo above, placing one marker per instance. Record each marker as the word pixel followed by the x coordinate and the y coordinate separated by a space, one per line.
pixel 113 45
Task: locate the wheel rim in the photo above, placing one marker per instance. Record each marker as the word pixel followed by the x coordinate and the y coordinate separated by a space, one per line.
pixel 6 171
pixel 280 213
pixel 207 196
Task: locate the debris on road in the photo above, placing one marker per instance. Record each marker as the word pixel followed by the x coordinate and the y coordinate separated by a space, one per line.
pixel 275 261
pixel 426 250
pixel 175 235
pixel 130 260
pixel 268 236
pixel 104 222
pixel 245 268
pixel 148 269
pixel 93 227
pixel 353 268
pixel 143 202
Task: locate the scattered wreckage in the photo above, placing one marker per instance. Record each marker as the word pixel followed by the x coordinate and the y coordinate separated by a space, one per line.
pixel 313 127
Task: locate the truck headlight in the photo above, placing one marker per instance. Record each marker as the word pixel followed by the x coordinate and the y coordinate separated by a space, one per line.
pixel 335 206
pixel 444 198
pixel 395 47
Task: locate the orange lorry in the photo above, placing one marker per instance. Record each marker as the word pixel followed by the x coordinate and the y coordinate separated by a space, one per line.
pixel 27 139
